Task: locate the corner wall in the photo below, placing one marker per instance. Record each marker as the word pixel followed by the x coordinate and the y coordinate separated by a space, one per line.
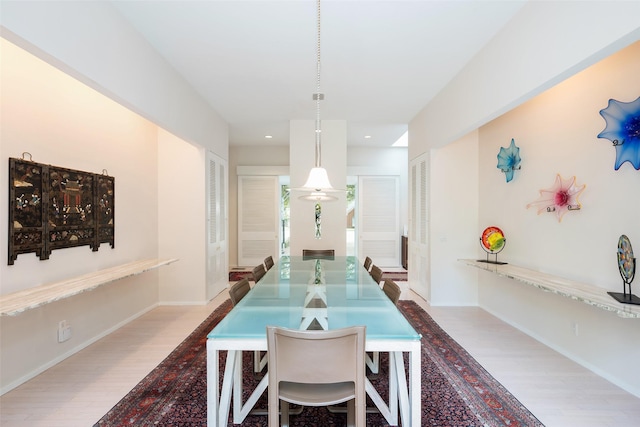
pixel 181 207
pixel 454 221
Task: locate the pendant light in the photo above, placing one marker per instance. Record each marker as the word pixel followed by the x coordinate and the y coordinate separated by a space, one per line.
pixel 318 184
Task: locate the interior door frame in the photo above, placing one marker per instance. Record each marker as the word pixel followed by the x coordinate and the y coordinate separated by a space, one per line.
pixel 217 193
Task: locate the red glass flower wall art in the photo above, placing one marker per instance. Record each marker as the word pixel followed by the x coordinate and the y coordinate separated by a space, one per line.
pixel 623 130
pixel 561 198
pixel 509 160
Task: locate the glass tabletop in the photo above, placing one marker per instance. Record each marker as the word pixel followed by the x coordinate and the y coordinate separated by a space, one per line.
pixel 302 293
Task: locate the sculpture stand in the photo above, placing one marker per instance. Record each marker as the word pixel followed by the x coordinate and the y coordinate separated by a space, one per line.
pixel 624 297
pixel 495 260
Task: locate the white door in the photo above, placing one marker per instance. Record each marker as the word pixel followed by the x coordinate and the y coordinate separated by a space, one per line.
pixel 217 257
pixel 419 265
pixel 258 219
pixel 379 219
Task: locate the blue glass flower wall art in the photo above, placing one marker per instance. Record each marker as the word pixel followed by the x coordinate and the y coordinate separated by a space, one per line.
pixel 509 160
pixel 623 130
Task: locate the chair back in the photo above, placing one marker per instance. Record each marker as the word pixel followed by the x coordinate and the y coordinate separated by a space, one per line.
pixel 238 290
pixel 258 272
pixel 309 358
pixel 318 253
pixel 392 290
pixel 376 273
pixel 367 263
pixel 268 262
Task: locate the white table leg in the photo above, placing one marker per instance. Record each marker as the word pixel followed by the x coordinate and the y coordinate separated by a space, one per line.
pixel 402 392
pixel 415 383
pixel 227 386
pixel 213 369
pixel 394 386
pixel 237 387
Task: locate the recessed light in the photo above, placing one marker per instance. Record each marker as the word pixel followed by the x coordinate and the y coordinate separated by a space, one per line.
pixel 268 136
pixel 367 137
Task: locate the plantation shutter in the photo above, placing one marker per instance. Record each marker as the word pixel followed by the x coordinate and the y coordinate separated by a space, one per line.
pixel 379 219
pixel 258 218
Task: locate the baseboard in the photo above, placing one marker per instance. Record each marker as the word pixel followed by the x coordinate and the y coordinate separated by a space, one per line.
pixel 7 388
pixel 633 390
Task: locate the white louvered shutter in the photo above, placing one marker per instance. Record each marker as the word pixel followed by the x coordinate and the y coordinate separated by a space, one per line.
pixel 258 219
pixel 379 219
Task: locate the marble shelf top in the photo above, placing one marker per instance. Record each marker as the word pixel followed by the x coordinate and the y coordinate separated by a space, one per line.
pixel 17 302
pixel 588 294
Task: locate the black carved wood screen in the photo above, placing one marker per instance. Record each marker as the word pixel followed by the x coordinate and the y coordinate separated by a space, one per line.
pixel 53 208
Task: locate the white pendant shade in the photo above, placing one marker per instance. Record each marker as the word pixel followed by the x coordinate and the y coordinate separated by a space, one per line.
pixel 318 196
pixel 318 180
pixel 318 184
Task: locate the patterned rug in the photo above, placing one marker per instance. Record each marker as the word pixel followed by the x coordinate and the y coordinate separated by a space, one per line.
pixel 456 390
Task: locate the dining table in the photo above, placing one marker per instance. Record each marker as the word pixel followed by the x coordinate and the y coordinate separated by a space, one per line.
pixel 311 293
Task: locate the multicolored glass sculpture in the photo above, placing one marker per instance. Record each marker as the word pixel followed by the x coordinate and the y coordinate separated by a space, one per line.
pixel 627 268
pixel 561 198
pixel 492 239
pixel 626 260
pixel 509 160
pixel 623 129
pixel 492 242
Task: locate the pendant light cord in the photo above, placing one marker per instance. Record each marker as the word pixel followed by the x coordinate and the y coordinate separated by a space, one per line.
pixel 318 128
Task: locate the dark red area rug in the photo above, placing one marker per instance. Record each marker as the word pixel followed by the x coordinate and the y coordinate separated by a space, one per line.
pixel 456 390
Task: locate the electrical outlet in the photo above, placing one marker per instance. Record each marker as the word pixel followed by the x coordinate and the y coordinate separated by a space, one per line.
pixel 64 331
pixel 574 328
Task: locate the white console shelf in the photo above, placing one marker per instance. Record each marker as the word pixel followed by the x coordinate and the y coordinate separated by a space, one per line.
pixel 588 294
pixel 17 302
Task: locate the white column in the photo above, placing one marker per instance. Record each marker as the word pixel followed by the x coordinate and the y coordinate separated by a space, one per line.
pixel 334 160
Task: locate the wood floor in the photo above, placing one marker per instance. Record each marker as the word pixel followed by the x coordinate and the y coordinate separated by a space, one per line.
pixel 79 390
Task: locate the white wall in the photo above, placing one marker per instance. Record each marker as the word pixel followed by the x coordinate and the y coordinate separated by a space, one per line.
pixel 546 42
pixel 454 221
pixel 64 123
pixel 92 42
pixel 557 133
pixel 181 208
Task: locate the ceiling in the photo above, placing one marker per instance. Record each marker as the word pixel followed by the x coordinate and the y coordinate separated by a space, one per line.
pixel 254 62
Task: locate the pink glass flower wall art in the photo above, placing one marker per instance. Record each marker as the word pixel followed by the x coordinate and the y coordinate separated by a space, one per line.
pixel 623 130
pixel 561 198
